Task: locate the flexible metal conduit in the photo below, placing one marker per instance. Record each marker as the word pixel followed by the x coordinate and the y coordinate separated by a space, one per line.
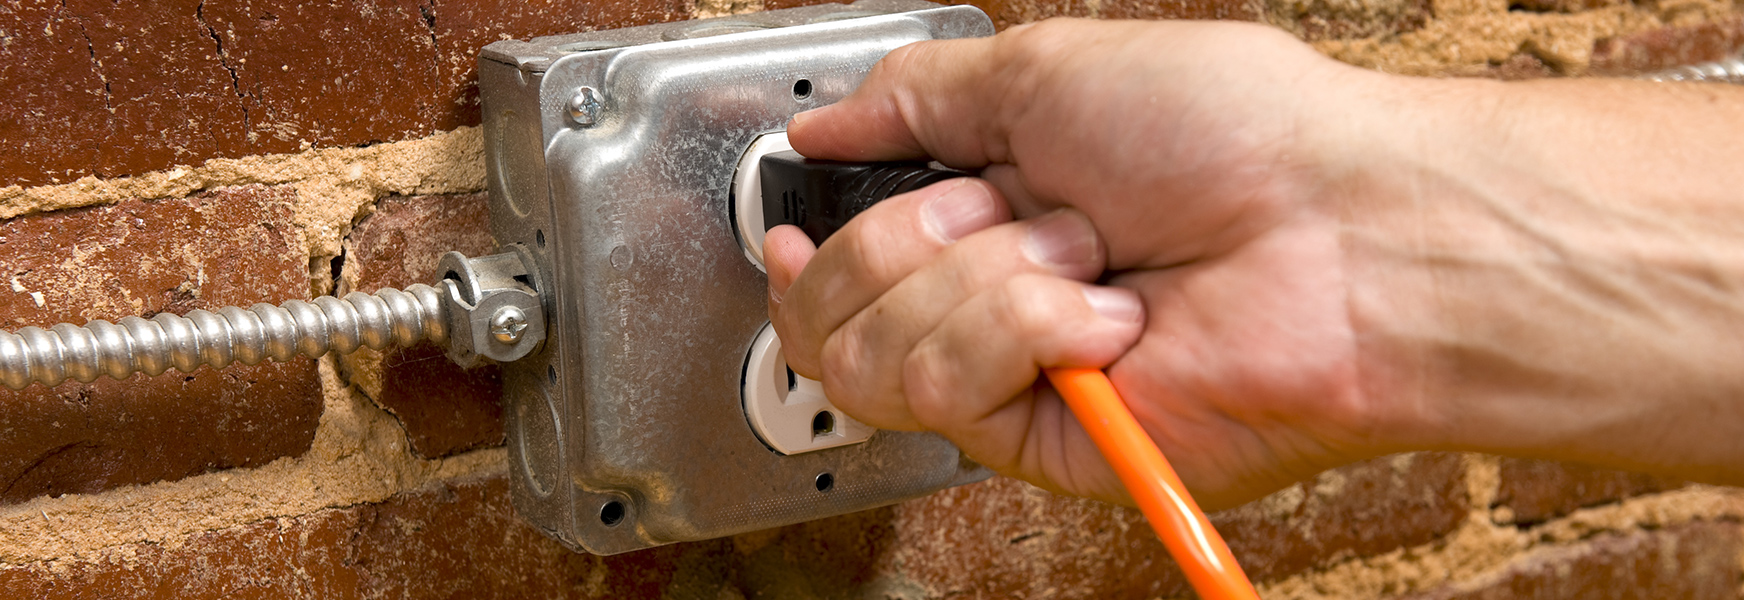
pixel 1725 71
pixel 232 334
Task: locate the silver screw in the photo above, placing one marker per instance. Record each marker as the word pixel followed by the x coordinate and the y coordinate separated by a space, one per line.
pixel 507 325
pixel 584 107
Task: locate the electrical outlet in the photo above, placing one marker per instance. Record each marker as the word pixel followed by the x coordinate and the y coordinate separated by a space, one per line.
pixel 611 157
pixel 789 412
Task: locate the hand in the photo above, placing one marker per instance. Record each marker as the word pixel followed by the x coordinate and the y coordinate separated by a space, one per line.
pixel 1189 160
pixel 1331 264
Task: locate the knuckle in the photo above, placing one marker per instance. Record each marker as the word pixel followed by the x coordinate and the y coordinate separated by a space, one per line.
pixel 871 252
pixel 925 384
pixel 899 60
pixel 840 360
pixel 1033 42
pixel 1026 304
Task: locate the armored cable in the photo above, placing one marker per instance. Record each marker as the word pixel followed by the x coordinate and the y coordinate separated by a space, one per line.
pixel 1730 71
pixel 216 339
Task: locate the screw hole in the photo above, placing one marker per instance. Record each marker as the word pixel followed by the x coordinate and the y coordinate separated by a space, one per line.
pixel 612 513
pixel 802 89
pixel 825 482
pixel 539 237
pixel 823 423
pixel 551 374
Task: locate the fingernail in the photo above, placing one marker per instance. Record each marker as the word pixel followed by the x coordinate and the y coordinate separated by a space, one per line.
pixel 803 116
pixel 1115 304
pixel 1061 238
pixel 960 211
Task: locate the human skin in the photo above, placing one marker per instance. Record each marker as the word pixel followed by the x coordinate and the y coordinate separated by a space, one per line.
pixel 1285 263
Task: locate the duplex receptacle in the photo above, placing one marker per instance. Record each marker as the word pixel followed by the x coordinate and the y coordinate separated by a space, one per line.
pixel 789 412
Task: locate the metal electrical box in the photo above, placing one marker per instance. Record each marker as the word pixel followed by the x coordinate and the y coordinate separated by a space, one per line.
pixel 611 156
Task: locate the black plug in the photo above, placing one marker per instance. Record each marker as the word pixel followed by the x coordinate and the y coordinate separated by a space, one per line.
pixel 820 196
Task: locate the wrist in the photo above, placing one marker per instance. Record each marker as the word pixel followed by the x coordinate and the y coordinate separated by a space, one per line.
pixel 1373 178
pixel 1521 285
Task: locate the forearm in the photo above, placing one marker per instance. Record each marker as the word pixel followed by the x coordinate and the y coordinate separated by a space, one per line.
pixel 1558 271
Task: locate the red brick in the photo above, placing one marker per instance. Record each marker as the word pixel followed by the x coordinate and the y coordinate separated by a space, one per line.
pixel 463 541
pixel 1537 491
pixel 1667 47
pixel 115 89
pixel 444 408
pixel 230 246
pixel 839 557
pixel 56 89
pixel 997 539
pixel 1324 20
pixel 462 28
pixel 1005 539
pixel 1695 561
pixel 460 541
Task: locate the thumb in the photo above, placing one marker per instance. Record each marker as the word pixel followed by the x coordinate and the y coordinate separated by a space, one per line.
pixel 935 99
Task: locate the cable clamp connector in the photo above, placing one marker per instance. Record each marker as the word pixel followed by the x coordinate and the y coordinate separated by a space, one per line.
pixel 492 305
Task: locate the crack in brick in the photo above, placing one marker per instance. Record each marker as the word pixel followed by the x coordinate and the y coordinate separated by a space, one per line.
pixel 343 285
pixel 224 61
pixel 336 266
pixel 96 68
pixel 96 64
pixel 25 473
pixel 428 12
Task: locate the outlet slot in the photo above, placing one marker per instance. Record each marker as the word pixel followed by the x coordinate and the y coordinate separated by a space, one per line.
pixel 823 423
pixel 788 412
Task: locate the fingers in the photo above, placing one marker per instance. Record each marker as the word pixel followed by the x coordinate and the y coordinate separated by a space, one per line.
pixel 862 359
pixel 867 257
pixel 959 379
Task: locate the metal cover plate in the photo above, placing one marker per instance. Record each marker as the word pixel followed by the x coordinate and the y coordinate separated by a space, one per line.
pixel 627 431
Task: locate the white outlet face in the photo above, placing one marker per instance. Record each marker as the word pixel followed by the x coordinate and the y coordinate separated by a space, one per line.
pixel 790 413
pixel 748 194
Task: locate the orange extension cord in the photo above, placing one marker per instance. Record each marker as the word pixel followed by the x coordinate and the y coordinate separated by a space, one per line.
pixel 1153 484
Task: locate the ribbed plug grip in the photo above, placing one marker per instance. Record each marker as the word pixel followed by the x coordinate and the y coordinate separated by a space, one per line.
pixel 151 346
pixel 821 196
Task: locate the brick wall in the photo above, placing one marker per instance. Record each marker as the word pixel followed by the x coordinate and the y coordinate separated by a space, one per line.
pixel 168 155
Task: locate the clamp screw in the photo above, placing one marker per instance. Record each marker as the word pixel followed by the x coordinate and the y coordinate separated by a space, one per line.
pixel 507 325
pixel 584 107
